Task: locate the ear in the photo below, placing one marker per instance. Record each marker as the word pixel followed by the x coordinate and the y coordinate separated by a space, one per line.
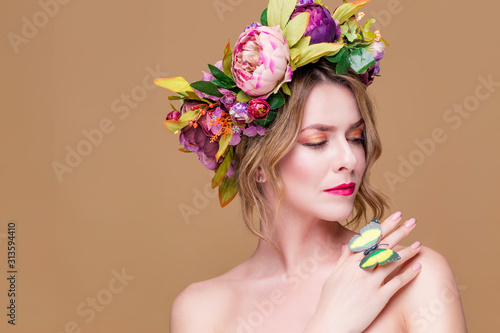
pixel 260 175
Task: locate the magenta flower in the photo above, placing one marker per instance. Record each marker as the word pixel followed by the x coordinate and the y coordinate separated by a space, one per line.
pixel 174 115
pixel 261 61
pixel 322 27
pixel 258 108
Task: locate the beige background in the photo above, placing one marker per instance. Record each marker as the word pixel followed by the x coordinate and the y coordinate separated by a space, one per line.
pixel 119 207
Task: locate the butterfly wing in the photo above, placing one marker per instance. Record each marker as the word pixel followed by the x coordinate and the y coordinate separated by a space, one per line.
pixel 369 236
pixel 379 256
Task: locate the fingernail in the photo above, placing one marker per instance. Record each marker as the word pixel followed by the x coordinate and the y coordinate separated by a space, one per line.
pixel 343 246
pixel 396 216
pixel 410 223
pixel 417 266
pixel 415 245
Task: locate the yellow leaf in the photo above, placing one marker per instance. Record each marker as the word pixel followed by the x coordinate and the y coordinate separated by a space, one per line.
pixel 176 84
pixel 175 125
pixel 223 144
pixel 279 11
pixel 303 42
pixel 286 89
pixel 316 51
pixel 228 58
pixel 296 28
pixel 242 97
pixel 296 51
pixel 343 12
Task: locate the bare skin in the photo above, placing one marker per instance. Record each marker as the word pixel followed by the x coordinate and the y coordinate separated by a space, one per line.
pixel 314 286
pixel 253 298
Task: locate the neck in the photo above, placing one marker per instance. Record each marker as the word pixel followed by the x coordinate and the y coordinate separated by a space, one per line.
pixel 301 241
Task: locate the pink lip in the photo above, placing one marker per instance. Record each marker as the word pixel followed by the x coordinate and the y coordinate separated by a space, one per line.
pixel 342 189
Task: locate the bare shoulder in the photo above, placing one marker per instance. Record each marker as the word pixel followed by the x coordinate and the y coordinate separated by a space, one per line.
pixel 201 304
pixel 431 302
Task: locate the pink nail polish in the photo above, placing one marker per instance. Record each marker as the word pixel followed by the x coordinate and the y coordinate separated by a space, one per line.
pixel 415 245
pixel 410 223
pixel 396 216
pixel 417 266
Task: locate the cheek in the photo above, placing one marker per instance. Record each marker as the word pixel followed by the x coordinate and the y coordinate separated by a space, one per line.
pixel 361 165
pixel 299 167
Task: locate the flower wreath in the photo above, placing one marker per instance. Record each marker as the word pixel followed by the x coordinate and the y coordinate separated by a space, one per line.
pixel 242 93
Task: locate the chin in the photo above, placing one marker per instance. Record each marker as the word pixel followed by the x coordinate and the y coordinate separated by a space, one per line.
pixel 336 211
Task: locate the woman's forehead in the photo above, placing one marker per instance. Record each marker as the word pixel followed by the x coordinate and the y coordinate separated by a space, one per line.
pixel 331 105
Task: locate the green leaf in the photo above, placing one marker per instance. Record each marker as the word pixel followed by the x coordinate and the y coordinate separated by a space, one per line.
pixel 223 144
pixel 227 191
pixel 242 97
pixel 223 85
pixel 223 167
pixel 279 11
pixel 345 11
pixel 263 18
pixel 173 107
pixel 275 100
pixel 227 59
pixel 343 64
pixel 221 76
pixel 336 58
pixel 206 87
pixel 360 60
pixel 269 119
pixel 348 29
pixel 296 28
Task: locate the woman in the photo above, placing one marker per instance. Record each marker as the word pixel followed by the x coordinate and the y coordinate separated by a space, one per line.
pixel 308 172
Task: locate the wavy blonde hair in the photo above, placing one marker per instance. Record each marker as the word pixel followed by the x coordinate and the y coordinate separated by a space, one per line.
pixel 267 150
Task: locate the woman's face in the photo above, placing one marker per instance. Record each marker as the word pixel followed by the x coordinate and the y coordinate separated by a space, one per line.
pixel 329 152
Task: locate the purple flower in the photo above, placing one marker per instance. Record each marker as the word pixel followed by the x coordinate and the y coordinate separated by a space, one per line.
pixel 195 140
pixel 236 138
pixel 377 50
pixel 368 76
pixel 174 115
pixel 253 25
pixel 228 100
pixel 258 108
pixel 322 27
pixel 239 113
pixel 261 61
pixel 230 172
pixel 253 130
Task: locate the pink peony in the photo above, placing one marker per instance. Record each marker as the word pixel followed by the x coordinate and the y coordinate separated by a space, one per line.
pixel 261 61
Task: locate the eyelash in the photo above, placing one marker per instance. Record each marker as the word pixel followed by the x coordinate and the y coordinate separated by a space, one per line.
pixel 320 145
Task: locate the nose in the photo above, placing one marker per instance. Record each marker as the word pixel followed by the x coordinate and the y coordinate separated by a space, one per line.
pixel 344 157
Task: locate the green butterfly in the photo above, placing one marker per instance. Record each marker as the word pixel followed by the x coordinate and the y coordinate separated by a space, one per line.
pixel 368 241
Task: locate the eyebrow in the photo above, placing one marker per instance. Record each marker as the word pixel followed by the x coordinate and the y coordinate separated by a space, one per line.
pixel 326 128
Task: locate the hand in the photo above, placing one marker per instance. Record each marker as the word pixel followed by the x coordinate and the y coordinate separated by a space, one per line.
pixel 353 297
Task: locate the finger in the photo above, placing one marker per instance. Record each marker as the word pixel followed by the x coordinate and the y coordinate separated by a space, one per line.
pixel 400 280
pixel 401 232
pixel 390 223
pixel 405 254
